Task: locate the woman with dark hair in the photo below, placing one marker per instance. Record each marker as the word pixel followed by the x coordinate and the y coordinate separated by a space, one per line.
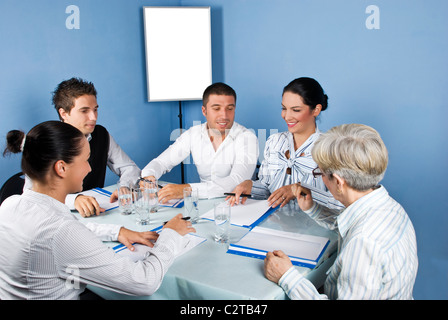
pixel 287 155
pixel 45 252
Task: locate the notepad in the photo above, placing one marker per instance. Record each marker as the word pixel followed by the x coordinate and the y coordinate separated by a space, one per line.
pixel 190 241
pixel 303 250
pixel 246 215
pixel 102 197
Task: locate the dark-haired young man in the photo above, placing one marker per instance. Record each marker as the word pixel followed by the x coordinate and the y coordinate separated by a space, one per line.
pixel 225 153
pixel 76 104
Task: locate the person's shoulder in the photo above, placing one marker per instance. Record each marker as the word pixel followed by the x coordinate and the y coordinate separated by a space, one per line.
pixel 275 138
pixel 240 130
pixel 99 128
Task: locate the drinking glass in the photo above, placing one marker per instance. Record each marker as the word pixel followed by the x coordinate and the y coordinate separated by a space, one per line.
pixel 222 222
pixel 125 197
pixel 142 204
pixel 153 197
pixel 191 201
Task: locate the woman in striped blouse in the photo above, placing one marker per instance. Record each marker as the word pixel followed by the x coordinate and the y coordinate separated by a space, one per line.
pixel 45 252
pixel 287 155
pixel 377 251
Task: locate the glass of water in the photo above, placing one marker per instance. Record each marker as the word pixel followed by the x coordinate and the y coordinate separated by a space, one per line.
pixel 222 222
pixel 125 197
pixel 142 205
pixel 152 189
pixel 191 202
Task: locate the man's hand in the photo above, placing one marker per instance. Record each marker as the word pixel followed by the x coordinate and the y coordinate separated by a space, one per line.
pixel 128 237
pixel 179 225
pixel 171 191
pixel 243 187
pixel 114 196
pixel 87 206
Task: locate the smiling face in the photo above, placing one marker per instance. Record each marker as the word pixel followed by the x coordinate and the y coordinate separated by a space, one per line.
pixel 220 112
pixel 78 168
pixel 83 115
pixel 299 117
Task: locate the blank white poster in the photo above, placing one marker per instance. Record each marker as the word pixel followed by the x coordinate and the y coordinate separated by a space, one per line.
pixel 178 52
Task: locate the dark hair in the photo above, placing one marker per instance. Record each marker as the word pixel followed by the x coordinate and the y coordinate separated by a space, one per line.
pixel 217 88
pixel 310 91
pixel 67 91
pixel 45 144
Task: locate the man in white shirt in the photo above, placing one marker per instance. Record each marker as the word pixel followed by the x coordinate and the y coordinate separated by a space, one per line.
pixel 225 153
pixel 76 104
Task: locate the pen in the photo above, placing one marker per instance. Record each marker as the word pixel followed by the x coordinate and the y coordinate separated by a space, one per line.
pixel 233 194
pixel 183 218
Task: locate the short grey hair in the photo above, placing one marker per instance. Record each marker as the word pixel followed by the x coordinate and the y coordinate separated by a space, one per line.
pixel 355 152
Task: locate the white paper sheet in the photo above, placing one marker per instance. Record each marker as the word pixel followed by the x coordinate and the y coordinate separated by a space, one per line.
pixel 244 214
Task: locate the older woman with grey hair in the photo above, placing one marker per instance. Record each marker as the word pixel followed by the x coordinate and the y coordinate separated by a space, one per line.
pixel 377 251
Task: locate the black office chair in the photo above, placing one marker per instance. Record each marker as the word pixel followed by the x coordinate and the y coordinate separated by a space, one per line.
pixel 13 185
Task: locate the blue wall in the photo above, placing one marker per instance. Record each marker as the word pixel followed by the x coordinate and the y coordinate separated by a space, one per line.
pixel 37 52
pixel 393 79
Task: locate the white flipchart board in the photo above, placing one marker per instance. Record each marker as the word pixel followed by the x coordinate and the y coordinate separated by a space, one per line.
pixel 178 52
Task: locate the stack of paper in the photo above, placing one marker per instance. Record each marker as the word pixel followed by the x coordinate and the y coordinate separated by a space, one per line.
pixel 245 215
pixel 303 250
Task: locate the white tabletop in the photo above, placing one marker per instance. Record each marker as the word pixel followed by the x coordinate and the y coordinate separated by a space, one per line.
pixel 208 271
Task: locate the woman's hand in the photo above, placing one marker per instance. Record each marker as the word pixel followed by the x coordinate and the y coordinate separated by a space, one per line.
pixel 276 264
pixel 281 196
pixel 303 195
pixel 128 237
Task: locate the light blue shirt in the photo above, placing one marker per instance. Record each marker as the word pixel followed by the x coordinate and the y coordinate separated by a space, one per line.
pixel 377 256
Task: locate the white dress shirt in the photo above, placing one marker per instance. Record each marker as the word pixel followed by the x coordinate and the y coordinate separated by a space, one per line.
pixel 220 171
pixel 377 256
pixel 117 161
pixel 46 253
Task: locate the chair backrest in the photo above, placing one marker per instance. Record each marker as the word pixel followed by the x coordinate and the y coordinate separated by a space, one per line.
pixel 13 185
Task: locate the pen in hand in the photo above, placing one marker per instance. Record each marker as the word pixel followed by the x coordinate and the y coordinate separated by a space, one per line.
pixel 241 195
pixel 183 218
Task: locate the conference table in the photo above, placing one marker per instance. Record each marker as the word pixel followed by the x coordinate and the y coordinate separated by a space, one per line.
pixel 207 271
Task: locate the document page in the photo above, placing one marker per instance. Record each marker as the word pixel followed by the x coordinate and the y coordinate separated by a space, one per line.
pixel 302 249
pixel 244 214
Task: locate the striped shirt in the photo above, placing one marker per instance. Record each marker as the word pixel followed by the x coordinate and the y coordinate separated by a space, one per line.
pixel 273 173
pixel 46 253
pixel 377 256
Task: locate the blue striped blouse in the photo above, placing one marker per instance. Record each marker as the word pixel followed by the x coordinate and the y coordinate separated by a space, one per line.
pixel 273 170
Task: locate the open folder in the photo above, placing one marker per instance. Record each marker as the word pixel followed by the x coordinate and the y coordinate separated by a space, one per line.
pixel 190 241
pixel 303 250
